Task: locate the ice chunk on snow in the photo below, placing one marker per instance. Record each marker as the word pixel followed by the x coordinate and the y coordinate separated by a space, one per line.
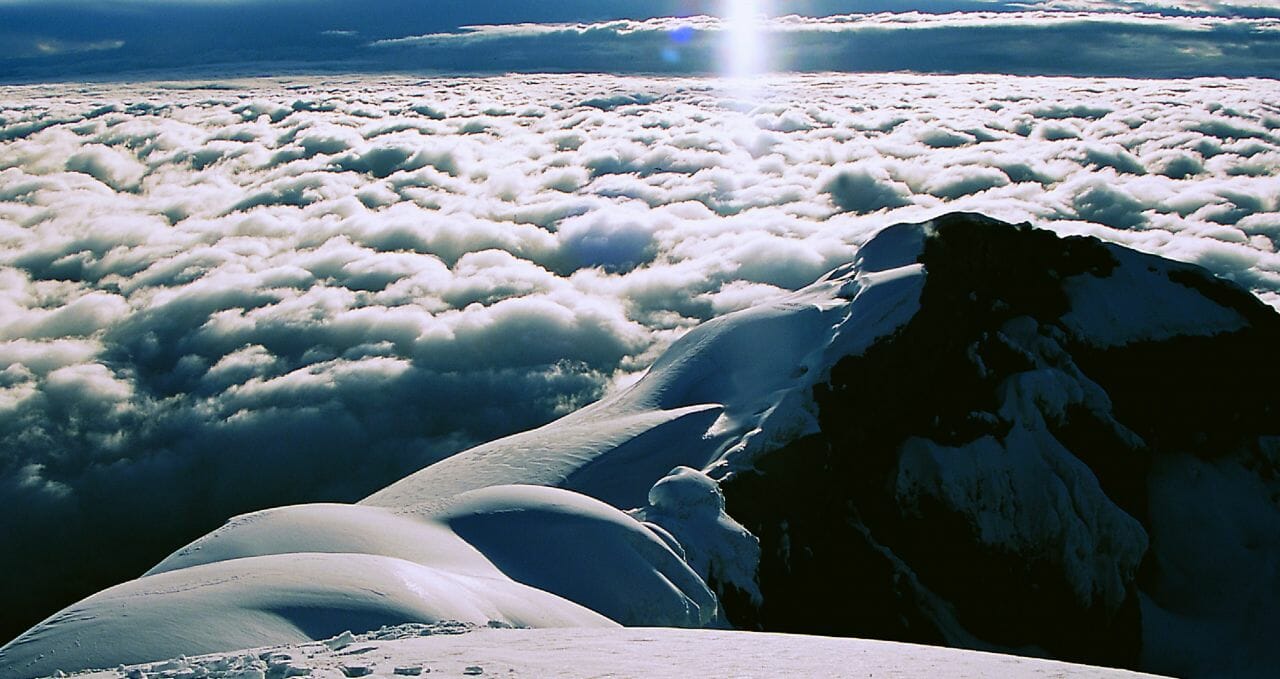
pixel 341 641
pixel 689 505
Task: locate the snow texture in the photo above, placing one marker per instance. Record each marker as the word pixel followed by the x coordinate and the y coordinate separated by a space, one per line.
pixel 455 650
pixel 1028 493
pixel 1131 305
pixel 302 573
pixel 690 507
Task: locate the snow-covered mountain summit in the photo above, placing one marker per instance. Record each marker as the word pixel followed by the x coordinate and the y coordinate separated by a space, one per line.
pixel 1070 449
pixel 974 434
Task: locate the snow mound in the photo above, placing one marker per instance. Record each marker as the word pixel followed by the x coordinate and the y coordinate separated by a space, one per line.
pixel 333 528
pixel 583 550
pixel 273 599
pixel 506 514
pixel 522 556
pixel 1132 304
pixel 555 540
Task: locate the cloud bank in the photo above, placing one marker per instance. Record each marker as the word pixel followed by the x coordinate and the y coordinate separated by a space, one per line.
pixel 62 39
pixel 1042 41
pixel 217 297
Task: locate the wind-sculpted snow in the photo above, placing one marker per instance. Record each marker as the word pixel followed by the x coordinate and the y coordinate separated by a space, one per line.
pixel 707 398
pixel 226 296
pixel 520 556
pixel 269 600
pixel 456 650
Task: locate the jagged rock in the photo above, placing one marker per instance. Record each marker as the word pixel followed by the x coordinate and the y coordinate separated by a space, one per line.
pixel 997 472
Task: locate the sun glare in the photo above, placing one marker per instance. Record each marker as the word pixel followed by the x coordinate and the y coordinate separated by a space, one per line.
pixel 745 49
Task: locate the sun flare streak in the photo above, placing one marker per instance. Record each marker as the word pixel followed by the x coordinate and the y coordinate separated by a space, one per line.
pixel 745 48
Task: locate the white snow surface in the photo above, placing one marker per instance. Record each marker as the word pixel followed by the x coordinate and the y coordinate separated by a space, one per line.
pixel 279 598
pixel 453 650
pixel 556 540
pixel 1132 305
pixel 513 555
pixel 726 389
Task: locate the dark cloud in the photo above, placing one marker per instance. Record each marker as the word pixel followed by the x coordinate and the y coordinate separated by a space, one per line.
pixel 865 190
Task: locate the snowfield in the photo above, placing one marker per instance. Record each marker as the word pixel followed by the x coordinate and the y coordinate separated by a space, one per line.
pixel 455 650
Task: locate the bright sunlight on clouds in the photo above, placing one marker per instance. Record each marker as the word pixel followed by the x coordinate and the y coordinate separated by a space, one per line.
pixel 745 52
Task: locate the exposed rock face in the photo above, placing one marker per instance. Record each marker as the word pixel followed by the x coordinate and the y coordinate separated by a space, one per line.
pixel 998 473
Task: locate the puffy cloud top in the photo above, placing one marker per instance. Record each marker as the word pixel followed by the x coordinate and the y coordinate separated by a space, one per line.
pixel 223 296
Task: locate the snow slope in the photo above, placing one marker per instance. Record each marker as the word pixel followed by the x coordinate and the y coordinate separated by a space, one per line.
pixel 511 555
pixel 726 386
pixel 464 651
pixel 272 599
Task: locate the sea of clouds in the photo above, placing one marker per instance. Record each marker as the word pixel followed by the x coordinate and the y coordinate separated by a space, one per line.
pixel 67 40
pixel 221 297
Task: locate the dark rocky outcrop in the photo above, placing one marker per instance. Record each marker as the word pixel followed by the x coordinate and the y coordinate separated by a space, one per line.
pixel 983 476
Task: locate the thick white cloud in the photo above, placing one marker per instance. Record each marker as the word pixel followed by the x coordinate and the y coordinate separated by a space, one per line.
pixel 1211 7
pixel 844 23
pixel 221 299
pixel 1111 38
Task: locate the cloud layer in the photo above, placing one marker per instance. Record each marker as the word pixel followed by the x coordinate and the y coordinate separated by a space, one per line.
pixel 219 297
pixel 1040 41
pixel 61 39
